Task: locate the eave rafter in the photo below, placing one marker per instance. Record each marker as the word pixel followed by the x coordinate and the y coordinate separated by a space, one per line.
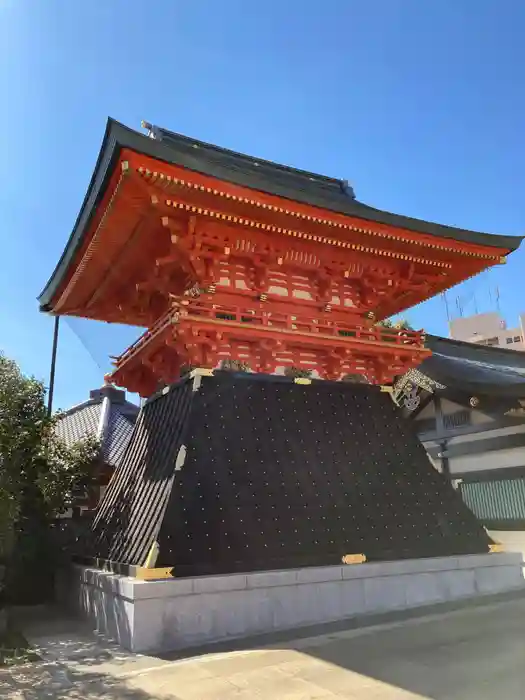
pixel 379 278
pixel 394 269
pixel 173 179
pixel 460 261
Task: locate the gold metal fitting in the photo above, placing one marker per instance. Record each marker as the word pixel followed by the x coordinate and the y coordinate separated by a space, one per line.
pixel 201 372
pixel 145 574
pixel 495 548
pixel 353 559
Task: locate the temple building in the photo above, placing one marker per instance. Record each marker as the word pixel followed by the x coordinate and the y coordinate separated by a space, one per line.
pixel 222 255
pixel 467 404
pixel 108 418
pixel 228 257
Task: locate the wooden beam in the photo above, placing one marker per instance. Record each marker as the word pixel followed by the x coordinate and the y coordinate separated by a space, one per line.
pixel 476 447
pixel 504 474
pixel 440 427
pixel 127 255
pixel 502 422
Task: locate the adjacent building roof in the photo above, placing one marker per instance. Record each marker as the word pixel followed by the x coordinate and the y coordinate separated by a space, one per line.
pixel 298 185
pixel 477 369
pixel 106 416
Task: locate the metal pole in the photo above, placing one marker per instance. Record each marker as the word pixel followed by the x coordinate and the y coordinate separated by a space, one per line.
pixel 53 366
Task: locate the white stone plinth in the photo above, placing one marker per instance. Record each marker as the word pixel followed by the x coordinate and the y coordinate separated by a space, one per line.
pixel 155 616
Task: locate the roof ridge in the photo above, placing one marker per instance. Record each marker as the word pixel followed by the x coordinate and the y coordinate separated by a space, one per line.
pixel 77 407
pixel 482 348
pixel 335 198
pixel 161 131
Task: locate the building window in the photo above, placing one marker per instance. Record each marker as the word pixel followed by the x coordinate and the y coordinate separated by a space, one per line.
pixel 517 338
pixel 493 341
pixel 509 341
pixel 456 420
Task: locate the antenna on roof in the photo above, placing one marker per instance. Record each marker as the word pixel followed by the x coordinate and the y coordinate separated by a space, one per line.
pixel 445 299
pixel 347 189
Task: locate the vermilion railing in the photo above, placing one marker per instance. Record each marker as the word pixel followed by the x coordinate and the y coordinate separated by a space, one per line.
pixel 323 325
pixel 272 320
pixel 157 328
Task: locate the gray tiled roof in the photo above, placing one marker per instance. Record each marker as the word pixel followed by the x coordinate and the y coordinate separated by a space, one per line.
pixel 79 422
pixel 84 420
pixel 118 434
pixel 475 368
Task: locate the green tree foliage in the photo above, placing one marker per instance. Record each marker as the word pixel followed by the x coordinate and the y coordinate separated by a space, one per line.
pixel 39 474
pixel 297 372
pixel 398 325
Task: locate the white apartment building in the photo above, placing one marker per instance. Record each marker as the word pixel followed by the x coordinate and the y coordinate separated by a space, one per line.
pixel 489 329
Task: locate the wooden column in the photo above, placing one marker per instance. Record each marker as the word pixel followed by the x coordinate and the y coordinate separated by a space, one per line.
pixel 440 430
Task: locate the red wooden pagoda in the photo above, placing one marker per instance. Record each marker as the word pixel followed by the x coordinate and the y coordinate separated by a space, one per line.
pixel 223 256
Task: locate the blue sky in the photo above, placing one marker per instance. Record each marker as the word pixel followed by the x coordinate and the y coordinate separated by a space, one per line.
pixel 419 104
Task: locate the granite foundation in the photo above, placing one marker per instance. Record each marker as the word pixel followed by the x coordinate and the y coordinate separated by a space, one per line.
pixel 166 615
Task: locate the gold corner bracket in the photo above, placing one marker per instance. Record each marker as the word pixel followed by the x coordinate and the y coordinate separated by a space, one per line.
pixel 201 372
pixel 353 559
pixel 495 548
pixel 144 574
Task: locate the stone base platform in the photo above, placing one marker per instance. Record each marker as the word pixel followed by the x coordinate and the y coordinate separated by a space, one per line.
pixel 172 614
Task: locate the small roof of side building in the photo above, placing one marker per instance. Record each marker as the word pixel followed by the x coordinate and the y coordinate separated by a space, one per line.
pixel 457 366
pixel 308 188
pixel 107 416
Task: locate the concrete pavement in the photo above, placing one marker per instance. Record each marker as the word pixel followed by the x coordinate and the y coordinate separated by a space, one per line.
pixel 477 653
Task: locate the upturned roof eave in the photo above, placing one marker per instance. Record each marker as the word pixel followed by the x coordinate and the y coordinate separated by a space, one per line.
pixel 117 136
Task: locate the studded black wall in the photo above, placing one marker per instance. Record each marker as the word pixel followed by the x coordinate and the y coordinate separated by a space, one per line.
pixel 132 510
pixel 251 472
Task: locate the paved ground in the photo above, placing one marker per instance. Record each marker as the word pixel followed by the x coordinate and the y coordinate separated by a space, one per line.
pixel 472 654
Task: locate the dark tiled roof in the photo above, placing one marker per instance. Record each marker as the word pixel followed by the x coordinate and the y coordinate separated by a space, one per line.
pixel 258 174
pixel 302 186
pixel 475 368
pixel 87 420
pixel 119 432
pixel 79 422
